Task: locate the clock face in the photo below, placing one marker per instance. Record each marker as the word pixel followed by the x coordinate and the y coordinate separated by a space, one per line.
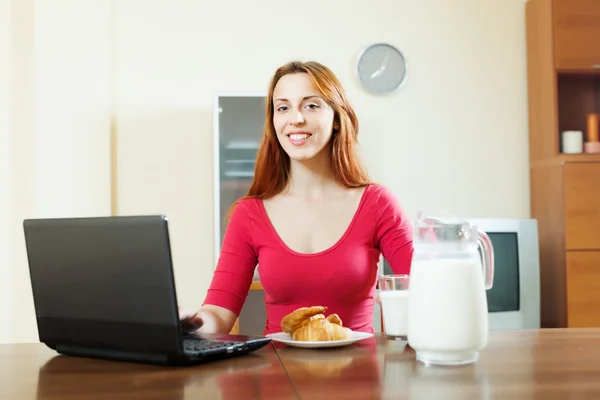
pixel 381 68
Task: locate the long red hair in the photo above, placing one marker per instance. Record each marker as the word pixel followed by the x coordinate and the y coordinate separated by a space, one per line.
pixel 272 167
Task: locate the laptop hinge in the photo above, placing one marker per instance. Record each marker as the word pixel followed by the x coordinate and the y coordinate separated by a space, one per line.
pixel 153 358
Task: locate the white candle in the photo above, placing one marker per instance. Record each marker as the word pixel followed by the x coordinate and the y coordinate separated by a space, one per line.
pixel 572 142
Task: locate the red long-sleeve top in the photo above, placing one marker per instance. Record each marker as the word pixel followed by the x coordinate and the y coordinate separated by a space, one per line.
pixel 342 277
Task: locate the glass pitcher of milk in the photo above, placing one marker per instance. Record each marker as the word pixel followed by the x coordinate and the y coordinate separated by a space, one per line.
pixel 447 308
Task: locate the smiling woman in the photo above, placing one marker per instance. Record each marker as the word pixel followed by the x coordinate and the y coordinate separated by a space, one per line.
pixel 303 125
pixel 312 219
pixel 307 99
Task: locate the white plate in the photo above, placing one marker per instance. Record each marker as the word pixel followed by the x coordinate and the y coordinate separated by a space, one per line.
pixel 285 338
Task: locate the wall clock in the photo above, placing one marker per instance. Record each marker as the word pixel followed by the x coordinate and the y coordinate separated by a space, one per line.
pixel 381 68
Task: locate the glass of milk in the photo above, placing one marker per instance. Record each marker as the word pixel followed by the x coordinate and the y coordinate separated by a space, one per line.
pixel 393 292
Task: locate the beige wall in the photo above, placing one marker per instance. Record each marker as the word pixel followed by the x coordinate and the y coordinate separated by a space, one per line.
pixel 157 64
pixel 17 180
pixel 5 174
pixel 58 68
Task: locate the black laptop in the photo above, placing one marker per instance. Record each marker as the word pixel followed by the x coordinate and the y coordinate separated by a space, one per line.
pixel 104 288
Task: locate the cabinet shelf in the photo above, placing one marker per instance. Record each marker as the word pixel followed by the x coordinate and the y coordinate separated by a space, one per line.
pixel 577 96
pixel 584 157
pixel 594 70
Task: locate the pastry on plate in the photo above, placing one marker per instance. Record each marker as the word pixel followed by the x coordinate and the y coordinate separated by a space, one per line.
pixel 294 320
pixel 309 324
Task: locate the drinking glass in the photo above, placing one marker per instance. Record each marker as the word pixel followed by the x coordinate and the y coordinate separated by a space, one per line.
pixel 393 293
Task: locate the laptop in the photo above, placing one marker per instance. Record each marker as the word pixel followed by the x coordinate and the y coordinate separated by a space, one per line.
pixel 103 287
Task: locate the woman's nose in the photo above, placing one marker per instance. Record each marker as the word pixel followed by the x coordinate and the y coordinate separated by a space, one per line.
pixel 296 118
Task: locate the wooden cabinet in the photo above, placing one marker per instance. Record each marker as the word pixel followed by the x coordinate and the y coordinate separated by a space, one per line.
pixel 563 73
pixel 576 34
pixel 582 206
pixel 583 288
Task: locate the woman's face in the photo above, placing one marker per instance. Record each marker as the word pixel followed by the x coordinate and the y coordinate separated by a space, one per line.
pixel 302 119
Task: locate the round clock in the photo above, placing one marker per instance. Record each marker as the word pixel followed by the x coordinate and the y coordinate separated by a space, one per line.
pixel 381 68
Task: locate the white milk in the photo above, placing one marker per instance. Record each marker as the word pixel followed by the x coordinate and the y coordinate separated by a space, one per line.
pixel 394 306
pixel 448 309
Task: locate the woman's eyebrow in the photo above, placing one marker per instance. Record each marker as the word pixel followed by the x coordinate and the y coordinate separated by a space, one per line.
pixel 304 98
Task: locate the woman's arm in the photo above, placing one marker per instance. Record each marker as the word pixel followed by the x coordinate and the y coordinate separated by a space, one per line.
pixel 231 280
pixel 394 232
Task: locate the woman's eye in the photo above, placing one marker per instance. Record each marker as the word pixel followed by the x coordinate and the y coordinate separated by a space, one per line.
pixel 282 108
pixel 313 106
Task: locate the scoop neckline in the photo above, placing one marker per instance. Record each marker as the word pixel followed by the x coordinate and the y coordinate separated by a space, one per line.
pixel 330 248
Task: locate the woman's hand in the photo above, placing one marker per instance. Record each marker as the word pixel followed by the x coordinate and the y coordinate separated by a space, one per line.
pixel 209 319
pixel 190 320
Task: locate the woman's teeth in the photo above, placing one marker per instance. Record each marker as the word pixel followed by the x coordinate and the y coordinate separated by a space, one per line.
pixel 299 136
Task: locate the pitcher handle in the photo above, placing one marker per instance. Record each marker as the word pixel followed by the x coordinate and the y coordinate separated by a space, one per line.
pixel 488 258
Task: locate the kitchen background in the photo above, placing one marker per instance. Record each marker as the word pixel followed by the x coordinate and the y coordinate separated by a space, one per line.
pixel 106 107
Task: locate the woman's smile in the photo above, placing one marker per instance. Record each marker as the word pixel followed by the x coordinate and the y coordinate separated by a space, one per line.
pixel 298 138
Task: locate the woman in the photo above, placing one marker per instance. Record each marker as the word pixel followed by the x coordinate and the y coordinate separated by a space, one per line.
pixel 312 219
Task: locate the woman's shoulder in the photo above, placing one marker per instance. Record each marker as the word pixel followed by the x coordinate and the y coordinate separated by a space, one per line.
pixel 382 201
pixel 247 205
pixel 379 194
pixel 387 212
pixel 248 210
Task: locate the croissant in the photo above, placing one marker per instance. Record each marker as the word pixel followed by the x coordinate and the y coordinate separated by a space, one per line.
pixel 294 320
pixel 321 329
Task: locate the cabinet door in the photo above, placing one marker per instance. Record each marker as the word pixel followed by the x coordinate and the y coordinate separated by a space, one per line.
pixel 583 288
pixel 576 34
pixel 582 206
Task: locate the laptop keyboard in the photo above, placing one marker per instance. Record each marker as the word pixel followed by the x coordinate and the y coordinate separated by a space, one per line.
pixel 192 346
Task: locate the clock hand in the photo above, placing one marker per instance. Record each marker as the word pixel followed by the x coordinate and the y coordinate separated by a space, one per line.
pixel 382 68
pixel 387 57
pixel 377 73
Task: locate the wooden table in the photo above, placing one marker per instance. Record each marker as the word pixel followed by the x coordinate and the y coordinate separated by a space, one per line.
pixel 537 364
